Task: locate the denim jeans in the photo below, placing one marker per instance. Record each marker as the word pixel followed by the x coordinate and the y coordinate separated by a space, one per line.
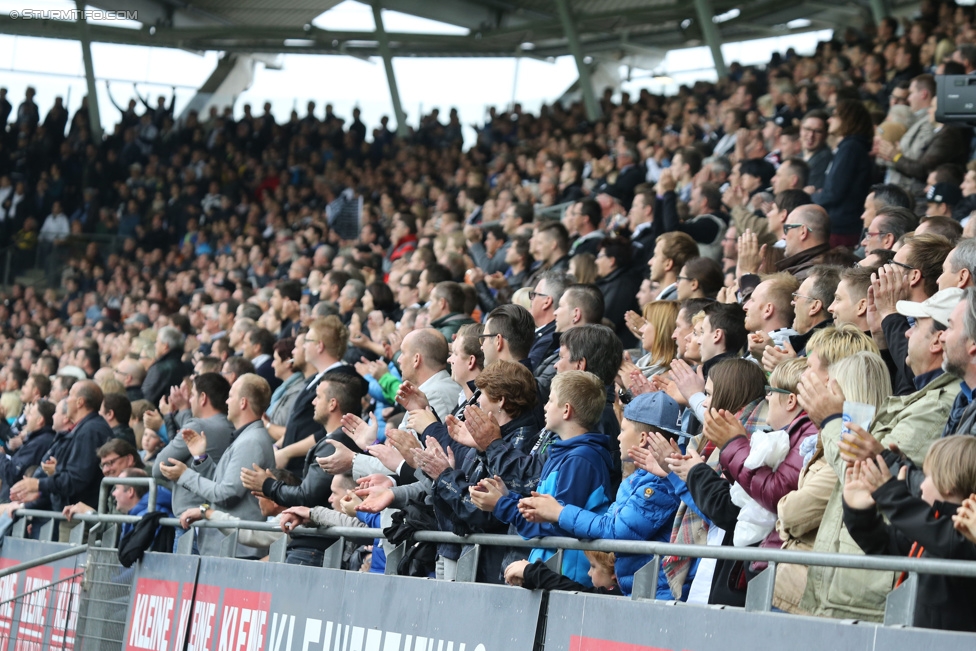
pixel 305 556
pixel 180 532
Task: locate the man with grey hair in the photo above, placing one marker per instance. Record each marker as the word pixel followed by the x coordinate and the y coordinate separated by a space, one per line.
pixel 959 268
pixel 958 342
pixel 807 234
pixel 168 369
pixel 543 302
pixel 888 226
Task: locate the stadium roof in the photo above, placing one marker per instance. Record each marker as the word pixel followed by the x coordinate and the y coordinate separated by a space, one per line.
pixel 496 28
pixel 607 31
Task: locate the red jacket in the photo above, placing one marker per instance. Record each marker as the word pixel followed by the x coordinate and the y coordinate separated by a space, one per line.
pixel 406 244
pixel 763 484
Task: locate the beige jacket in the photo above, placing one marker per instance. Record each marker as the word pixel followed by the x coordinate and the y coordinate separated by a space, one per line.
pixel 799 514
pixel 912 423
pixel 744 218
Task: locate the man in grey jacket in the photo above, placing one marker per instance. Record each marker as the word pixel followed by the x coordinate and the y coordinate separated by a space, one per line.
pixel 218 485
pixel 205 412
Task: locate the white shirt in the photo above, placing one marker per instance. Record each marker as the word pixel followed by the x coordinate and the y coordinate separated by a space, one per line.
pixel 56 227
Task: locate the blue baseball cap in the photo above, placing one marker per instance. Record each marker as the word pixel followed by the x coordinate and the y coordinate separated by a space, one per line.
pixel 656 409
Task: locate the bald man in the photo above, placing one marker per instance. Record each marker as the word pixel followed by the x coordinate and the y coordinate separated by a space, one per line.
pixel 807 234
pixel 423 362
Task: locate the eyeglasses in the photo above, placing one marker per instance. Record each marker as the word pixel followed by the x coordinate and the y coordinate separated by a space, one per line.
pixel 535 295
pixel 108 463
pixel 788 227
pixel 312 341
pixel 771 390
pixel 796 296
pixel 684 278
pixel 489 336
pixel 878 234
pixel 902 265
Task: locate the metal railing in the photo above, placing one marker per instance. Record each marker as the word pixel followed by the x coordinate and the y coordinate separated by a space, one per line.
pixel 899 611
pixel 103 491
pixel 52 259
pixel 554 211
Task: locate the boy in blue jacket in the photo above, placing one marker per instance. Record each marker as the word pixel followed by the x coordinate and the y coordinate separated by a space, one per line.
pixel 646 503
pixel 576 473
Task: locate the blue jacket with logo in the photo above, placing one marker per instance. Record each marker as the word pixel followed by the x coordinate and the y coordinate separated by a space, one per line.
pixel 576 473
pixel 644 510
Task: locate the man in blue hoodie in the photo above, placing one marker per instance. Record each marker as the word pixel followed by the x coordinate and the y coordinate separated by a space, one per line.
pixel 646 503
pixel 134 500
pixel 576 473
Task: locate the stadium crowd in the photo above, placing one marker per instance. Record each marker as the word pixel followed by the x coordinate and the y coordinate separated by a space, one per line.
pixel 743 315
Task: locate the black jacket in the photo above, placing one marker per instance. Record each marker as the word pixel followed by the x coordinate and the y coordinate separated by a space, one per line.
pixel 619 290
pixel 799 342
pixel 902 379
pixel 712 495
pixel 301 423
pixel 315 489
pixel 847 184
pixel 539 577
pixel 29 454
pixel 125 433
pixel 267 372
pixel 543 344
pixel 167 371
pixel 79 473
pixel 944 602
pixel 622 189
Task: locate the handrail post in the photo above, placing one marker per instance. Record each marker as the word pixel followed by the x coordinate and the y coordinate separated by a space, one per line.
pixel 152 495
pixel 645 580
pixel 467 565
pixel 900 603
pixel 760 590
pixel 103 495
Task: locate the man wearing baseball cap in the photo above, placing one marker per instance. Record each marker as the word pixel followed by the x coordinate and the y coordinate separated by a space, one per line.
pixel 646 503
pixel 938 356
pixel 941 199
pixel 931 316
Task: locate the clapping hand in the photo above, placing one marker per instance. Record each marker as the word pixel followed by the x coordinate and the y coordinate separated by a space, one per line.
pixel 540 508
pixel 405 443
pixel 487 492
pixel 964 520
pixel 363 433
pixel 411 397
pixel 820 400
pixel 432 461
pixel 195 443
pixel 682 465
pixel 865 477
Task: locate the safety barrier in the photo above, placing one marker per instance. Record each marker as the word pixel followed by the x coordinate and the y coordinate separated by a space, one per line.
pixel 175 601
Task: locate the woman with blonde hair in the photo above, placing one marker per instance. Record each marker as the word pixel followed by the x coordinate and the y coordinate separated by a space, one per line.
pixel 583 268
pixel 660 319
pixel 863 377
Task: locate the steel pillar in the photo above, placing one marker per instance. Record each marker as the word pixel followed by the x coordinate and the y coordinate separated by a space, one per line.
pixel 94 117
pixel 572 38
pixel 878 11
pixel 384 45
pixel 712 38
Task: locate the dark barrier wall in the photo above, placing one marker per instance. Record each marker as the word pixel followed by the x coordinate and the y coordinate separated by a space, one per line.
pixel 47 618
pixel 578 622
pixel 271 606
